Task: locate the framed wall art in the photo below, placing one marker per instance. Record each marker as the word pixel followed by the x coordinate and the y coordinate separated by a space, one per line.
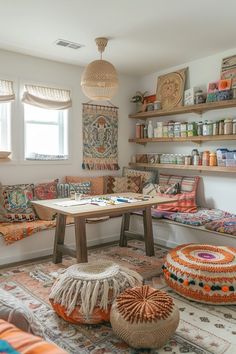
pixel 170 89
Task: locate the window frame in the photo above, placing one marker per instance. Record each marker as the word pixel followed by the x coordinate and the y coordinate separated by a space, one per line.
pixel 22 159
pixel 5 133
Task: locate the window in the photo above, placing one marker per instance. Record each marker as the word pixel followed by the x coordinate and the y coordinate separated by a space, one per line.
pixel 6 96
pixel 5 119
pixel 46 123
pixel 46 133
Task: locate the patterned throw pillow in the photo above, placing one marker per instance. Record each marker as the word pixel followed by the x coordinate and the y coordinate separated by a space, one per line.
pixel 153 189
pixel 147 176
pixel 46 190
pixel 15 312
pixel 186 203
pixel 187 183
pixel 64 189
pixel 97 183
pixel 3 212
pixel 123 184
pixel 17 200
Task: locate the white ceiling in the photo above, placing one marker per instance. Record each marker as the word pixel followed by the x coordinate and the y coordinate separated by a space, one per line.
pixel 145 35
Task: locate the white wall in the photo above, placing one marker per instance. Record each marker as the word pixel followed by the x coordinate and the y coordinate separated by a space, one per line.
pixel 216 190
pixel 26 69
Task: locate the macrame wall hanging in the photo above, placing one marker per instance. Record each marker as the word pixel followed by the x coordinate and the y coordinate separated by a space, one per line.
pixel 100 136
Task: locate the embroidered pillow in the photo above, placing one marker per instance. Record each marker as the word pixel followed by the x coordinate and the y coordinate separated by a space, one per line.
pixel 15 312
pixel 3 212
pixel 147 176
pixel 46 190
pixel 64 189
pixel 153 189
pixel 97 183
pixel 123 184
pixel 16 202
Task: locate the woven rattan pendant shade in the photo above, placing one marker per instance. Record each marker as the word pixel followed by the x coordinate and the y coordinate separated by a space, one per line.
pixel 99 80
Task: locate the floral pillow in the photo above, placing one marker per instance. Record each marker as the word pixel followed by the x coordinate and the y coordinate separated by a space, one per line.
pixel 17 202
pixel 46 190
pixel 123 184
pixel 154 189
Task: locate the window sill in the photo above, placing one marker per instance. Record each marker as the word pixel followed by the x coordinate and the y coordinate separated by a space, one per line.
pixel 45 162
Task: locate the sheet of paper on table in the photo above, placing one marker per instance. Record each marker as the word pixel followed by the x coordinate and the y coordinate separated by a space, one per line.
pixel 96 201
pixel 68 203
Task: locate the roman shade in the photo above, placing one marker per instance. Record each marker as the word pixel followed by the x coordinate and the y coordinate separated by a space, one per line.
pixel 6 91
pixel 47 97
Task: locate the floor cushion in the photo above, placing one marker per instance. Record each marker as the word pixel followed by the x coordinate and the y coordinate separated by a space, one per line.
pixel 144 317
pixel 203 273
pixel 226 225
pixel 201 217
pixel 13 341
pixel 15 312
pixel 85 292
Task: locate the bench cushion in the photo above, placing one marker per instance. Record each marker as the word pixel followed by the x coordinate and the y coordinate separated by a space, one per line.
pixel 226 225
pixel 201 217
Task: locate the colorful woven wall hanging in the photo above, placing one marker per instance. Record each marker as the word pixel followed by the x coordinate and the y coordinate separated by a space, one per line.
pixel 100 136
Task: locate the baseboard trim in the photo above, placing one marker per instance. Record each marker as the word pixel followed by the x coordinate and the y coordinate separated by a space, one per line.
pixel 31 256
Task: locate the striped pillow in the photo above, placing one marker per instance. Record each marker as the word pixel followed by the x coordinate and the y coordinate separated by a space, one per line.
pixel 187 183
pixel 186 203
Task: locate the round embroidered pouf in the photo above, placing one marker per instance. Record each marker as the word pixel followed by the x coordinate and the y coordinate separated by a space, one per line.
pixel 202 273
pixel 85 292
pixel 144 317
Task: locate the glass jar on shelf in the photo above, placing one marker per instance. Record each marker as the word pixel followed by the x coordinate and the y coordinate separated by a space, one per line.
pixel 184 129
pixel 221 127
pixel 170 129
pixel 215 128
pixel 199 128
pixel 228 126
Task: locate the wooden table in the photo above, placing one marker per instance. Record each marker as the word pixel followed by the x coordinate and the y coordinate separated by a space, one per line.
pixel 81 212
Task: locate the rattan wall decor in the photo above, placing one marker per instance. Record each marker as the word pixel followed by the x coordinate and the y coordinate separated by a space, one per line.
pixel 170 89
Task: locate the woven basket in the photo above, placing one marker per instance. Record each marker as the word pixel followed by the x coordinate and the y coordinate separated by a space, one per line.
pixel 144 317
pixel 85 292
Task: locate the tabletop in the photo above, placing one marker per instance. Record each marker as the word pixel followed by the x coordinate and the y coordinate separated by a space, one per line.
pixel 91 210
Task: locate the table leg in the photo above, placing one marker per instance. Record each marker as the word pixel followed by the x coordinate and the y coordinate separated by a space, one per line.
pixel 124 227
pixel 59 237
pixel 148 233
pixel 80 240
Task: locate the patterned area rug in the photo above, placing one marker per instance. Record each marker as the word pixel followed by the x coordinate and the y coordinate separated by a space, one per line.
pixel 203 329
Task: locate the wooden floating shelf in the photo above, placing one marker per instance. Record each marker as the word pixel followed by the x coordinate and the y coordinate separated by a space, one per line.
pixel 197 108
pixel 195 139
pixel 186 167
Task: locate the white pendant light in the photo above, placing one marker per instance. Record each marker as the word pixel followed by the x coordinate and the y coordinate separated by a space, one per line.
pixel 99 80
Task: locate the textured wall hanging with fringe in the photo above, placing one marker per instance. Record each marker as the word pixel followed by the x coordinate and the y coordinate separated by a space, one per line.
pixel 100 136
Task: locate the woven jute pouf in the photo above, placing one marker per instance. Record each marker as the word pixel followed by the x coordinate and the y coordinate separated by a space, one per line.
pixel 144 317
pixel 202 273
pixel 85 292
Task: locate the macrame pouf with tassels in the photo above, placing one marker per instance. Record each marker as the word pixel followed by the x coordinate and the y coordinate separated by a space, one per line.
pixel 85 292
pixel 144 317
pixel 203 273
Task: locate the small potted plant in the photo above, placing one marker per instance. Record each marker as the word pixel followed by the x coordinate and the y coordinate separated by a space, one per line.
pixel 138 98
